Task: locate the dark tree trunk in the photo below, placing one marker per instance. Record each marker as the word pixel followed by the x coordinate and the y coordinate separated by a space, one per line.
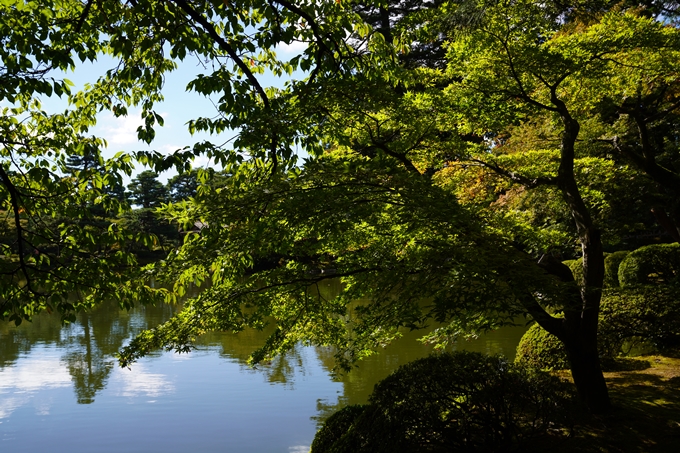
pixel 581 313
pixel 587 375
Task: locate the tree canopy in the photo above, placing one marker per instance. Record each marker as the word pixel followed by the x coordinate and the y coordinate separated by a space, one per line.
pixel 457 150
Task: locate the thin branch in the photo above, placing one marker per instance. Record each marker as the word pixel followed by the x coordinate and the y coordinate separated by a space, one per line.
pixel 83 16
pixel 516 177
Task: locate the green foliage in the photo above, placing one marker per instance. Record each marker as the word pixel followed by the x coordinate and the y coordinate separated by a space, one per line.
pixel 641 317
pixel 652 264
pixel 60 250
pixel 440 176
pixel 146 191
pixel 542 350
pixel 451 401
pixel 336 427
pixel 265 248
pixel 612 262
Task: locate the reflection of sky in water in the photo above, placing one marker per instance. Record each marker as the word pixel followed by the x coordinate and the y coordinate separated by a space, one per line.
pixel 170 403
pixel 59 386
pixel 140 383
pixel 299 449
pixel 19 384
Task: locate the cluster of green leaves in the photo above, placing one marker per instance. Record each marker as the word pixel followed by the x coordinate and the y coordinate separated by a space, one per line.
pixel 51 247
pixel 399 244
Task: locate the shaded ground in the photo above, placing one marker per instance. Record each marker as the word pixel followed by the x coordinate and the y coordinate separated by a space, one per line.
pixel 646 415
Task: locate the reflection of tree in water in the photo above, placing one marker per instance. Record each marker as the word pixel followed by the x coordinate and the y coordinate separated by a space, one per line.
pixel 16 341
pixel 359 382
pixel 283 368
pixel 88 366
pixel 89 343
pixel 95 338
pixel 239 346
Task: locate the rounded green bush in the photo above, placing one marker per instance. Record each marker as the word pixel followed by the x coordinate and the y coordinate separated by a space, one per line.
pixel 641 316
pixel 576 267
pixel 612 262
pixel 539 349
pixel 336 426
pixel 460 401
pixel 651 264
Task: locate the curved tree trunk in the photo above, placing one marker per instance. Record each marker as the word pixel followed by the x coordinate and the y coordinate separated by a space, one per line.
pixel 581 318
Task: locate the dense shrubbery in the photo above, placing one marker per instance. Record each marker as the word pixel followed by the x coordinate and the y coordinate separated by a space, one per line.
pixel 642 316
pixel 652 264
pixel 612 262
pixel 540 349
pixel 643 313
pixel 460 401
pixel 336 427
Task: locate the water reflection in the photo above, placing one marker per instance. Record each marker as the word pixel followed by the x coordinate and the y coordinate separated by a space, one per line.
pixel 35 373
pixel 86 347
pixel 227 404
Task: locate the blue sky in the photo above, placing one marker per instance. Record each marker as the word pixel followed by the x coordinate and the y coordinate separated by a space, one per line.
pixel 178 108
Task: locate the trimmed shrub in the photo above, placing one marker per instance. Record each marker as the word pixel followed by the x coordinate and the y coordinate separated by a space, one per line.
pixel 651 264
pixel 461 401
pixel 336 427
pixel 612 261
pixel 539 349
pixel 576 267
pixel 641 317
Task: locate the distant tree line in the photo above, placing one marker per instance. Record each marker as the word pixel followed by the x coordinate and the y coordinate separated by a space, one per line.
pixel 144 194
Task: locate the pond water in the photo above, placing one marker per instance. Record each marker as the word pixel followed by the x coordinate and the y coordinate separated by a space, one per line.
pixel 61 390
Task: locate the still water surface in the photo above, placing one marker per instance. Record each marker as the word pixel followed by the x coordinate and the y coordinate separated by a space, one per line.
pixel 61 390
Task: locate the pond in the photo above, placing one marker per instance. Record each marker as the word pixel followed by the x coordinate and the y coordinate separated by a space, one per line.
pixel 61 389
